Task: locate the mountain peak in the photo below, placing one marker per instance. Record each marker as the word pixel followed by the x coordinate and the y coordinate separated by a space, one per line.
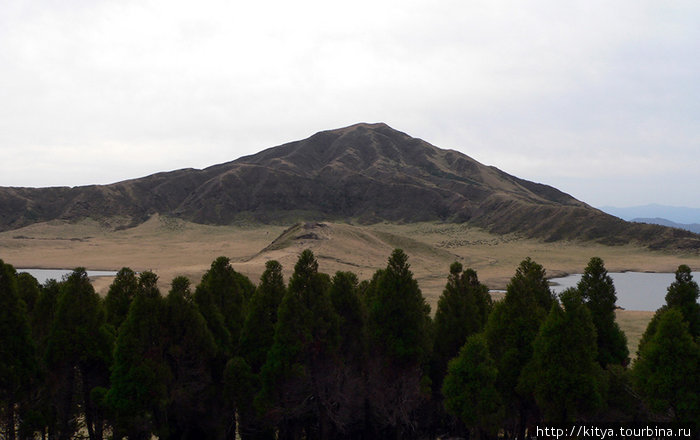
pixel 365 125
pixel 365 172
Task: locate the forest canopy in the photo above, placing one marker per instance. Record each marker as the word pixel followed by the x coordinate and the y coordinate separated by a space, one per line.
pixel 324 356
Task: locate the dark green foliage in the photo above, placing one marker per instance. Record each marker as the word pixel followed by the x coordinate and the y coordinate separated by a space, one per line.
pixel 470 387
pixel 683 293
pixel 346 303
pixel 331 358
pixel 44 312
pixel 399 332
pixel 28 289
pixel 297 378
pixel 563 375
pixel 258 331
pixel 398 316
pixel 41 322
pixel 242 373
pixel 79 352
pixel 597 288
pixel 514 323
pixel 291 334
pixel 242 384
pixel 462 311
pixel 188 352
pixel 351 367
pixel 598 292
pixel 245 285
pixel 148 285
pixel 180 289
pixel 510 331
pixel 161 374
pixel 138 392
pixel 623 403
pixel 312 290
pixel 220 297
pixel 120 295
pixel 530 282
pixel 18 362
pixel 667 370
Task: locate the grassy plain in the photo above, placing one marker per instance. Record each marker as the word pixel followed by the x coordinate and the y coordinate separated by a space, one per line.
pixel 172 247
pixel 633 323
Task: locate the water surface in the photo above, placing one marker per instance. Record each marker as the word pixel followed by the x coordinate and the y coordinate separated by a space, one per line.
pixel 635 290
pixel 42 275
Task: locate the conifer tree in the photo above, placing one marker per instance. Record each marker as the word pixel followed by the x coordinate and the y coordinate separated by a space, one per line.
pixel 161 378
pixel 18 362
pixel 563 374
pixel 462 311
pixel 138 395
pixel 188 352
pixel 667 369
pixel 399 332
pixel 28 290
pixel 242 375
pixel 352 360
pixel 470 388
pixel 683 293
pixel 241 386
pixel 510 332
pixel 220 298
pixel 598 292
pixel 300 365
pixel 79 353
pixel 44 312
pixel 399 318
pixel 41 319
pixel 258 330
pixel 32 418
pixel 346 303
pixel 120 295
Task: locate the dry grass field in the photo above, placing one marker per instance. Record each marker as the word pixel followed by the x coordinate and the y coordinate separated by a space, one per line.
pixel 633 323
pixel 172 247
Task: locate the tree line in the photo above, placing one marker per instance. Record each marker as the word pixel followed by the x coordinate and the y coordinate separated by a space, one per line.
pixel 324 356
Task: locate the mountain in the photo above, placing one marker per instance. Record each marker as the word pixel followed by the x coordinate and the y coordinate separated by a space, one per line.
pixel 365 173
pixel 676 214
pixel 695 227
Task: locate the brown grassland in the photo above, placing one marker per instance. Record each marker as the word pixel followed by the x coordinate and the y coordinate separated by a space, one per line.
pixel 172 247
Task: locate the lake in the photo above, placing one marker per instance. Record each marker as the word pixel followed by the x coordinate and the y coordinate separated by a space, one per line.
pixel 635 290
pixel 42 275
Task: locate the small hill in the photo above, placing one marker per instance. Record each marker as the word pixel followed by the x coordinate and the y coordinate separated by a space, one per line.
pixel 364 173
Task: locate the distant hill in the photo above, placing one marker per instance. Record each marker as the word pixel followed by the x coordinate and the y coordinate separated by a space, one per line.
pixel 695 227
pixel 365 173
pixel 677 214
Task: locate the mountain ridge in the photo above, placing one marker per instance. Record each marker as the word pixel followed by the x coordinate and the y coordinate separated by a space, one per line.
pixel 678 214
pixel 364 172
pixel 693 227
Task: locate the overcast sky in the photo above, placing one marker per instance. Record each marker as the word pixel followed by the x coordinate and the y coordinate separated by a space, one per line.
pixel 598 98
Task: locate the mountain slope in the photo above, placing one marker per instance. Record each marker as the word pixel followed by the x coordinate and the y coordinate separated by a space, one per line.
pixel 365 172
